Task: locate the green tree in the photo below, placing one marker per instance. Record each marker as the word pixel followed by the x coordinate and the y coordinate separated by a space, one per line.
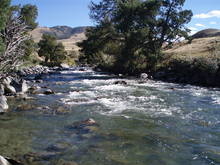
pixel 29 15
pixel 4 12
pixel 29 47
pixel 134 31
pixel 46 46
pixel 59 54
pixel 52 51
pixel 14 35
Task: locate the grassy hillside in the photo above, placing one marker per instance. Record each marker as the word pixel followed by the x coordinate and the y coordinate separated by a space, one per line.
pixel 197 62
pixel 67 35
pixel 200 47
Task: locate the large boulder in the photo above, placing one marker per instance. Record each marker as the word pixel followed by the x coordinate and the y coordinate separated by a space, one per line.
pixel 9 90
pixel 3 161
pixel 144 76
pixel 24 86
pixel 3 104
pixel 64 66
pixel 8 161
pixel 15 85
pixel 49 92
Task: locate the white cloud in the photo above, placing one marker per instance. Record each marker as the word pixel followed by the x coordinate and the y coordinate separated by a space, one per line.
pixel 200 25
pixel 213 13
pixel 213 23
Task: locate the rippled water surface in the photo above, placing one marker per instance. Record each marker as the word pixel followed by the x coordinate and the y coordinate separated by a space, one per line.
pixel 141 123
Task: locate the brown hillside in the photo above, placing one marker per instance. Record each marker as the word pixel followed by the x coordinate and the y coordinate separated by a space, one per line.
pixel 67 35
pixel 207 33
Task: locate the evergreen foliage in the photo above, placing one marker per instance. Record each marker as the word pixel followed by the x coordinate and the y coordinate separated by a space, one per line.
pixel 132 32
pixel 53 52
pixel 29 15
pixel 4 12
pixel 15 42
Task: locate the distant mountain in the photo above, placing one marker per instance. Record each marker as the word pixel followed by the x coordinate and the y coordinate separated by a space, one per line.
pixel 67 35
pixel 207 33
pixel 61 32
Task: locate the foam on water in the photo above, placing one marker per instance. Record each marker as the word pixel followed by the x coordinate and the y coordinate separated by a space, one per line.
pixel 152 98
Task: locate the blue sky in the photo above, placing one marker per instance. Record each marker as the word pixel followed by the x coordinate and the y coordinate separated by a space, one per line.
pixel 75 12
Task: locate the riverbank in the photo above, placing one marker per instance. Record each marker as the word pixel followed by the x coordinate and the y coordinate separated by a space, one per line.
pixel 22 83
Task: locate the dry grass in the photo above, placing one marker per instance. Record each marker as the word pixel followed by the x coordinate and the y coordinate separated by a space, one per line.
pixel 198 47
pixel 70 43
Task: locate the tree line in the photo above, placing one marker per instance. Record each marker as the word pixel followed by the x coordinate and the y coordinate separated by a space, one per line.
pixel 129 34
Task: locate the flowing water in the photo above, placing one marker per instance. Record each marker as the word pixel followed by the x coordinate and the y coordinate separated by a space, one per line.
pixel 147 123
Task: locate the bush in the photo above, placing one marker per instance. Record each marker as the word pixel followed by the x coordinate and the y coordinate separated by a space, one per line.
pixel 203 70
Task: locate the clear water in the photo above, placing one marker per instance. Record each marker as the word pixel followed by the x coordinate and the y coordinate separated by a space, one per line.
pixel 151 123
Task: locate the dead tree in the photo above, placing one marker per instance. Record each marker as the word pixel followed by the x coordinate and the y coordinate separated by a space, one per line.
pixel 14 36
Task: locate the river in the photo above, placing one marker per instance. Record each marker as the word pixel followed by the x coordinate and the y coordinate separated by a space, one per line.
pixel 141 123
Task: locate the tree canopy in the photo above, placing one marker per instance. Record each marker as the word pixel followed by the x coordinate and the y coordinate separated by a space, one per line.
pixel 52 51
pixel 29 15
pixel 132 32
pixel 15 23
pixel 4 12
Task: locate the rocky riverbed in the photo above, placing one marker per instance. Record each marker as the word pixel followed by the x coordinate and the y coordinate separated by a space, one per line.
pixel 77 116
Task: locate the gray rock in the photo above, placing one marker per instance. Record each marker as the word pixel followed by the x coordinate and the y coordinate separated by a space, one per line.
pixel 3 161
pixel 8 161
pixel 3 104
pixel 49 92
pixel 9 89
pixel 65 66
pixel 39 81
pixel 85 123
pixel 120 82
pixel 24 86
pixel 144 76
pixel 2 89
pixel 7 81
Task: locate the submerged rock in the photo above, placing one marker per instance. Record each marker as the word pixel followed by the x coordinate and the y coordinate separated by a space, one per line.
pixel 41 156
pixel 25 107
pixel 82 69
pixel 63 162
pixel 39 81
pixel 120 82
pixel 60 147
pixel 49 92
pixel 84 127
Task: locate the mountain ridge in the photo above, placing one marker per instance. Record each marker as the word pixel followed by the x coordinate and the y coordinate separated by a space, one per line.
pixel 60 32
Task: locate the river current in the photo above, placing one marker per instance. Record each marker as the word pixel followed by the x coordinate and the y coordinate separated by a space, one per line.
pixel 141 123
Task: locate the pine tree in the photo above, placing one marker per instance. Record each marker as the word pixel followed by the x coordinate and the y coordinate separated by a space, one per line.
pixel 136 29
pixel 53 52
pixel 4 13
